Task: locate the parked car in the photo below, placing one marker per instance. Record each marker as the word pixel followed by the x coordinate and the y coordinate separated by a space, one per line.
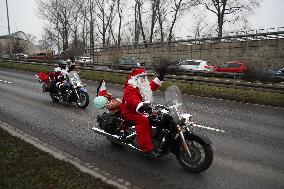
pixel 83 60
pixel 5 56
pixel 275 73
pixel 232 67
pixel 40 56
pixel 127 64
pixel 191 66
pixel 21 56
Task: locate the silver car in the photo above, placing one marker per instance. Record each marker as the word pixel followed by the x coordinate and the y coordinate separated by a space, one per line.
pixel 194 66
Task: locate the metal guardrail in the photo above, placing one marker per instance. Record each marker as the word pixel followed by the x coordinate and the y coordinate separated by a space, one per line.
pixel 185 79
pixel 251 35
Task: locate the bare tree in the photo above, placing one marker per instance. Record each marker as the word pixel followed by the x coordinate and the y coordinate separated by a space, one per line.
pixel 162 14
pixel 154 13
pixel 59 15
pixel 200 26
pixel 32 38
pixel 179 8
pixel 139 4
pixel 230 10
pixel 105 15
pixel 119 10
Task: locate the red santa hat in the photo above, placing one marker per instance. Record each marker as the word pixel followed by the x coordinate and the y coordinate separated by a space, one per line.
pixel 132 79
pixel 137 72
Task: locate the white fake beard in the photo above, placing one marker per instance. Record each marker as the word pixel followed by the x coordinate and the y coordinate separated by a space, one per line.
pixel 145 89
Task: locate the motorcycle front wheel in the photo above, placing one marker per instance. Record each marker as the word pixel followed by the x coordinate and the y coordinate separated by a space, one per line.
pixel 83 100
pixel 201 155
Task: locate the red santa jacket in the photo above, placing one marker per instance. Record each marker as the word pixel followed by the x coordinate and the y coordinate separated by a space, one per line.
pixel 132 98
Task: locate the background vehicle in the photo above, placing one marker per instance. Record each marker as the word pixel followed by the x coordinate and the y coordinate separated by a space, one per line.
pixel 275 73
pixel 5 56
pixel 232 67
pixel 83 60
pixel 191 66
pixel 21 56
pixel 40 56
pixel 127 64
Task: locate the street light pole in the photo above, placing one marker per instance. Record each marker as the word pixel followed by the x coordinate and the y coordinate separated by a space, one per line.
pixel 8 17
pixel 57 28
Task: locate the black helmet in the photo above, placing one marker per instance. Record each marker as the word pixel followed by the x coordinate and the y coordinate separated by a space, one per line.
pixel 62 64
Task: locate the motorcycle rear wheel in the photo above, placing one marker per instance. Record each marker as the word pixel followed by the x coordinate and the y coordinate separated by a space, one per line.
pixel 201 155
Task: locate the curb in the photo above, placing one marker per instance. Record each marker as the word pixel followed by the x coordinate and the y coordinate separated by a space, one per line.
pixel 64 156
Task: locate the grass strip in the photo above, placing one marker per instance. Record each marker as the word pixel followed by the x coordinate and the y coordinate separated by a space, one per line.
pixel 240 95
pixel 24 166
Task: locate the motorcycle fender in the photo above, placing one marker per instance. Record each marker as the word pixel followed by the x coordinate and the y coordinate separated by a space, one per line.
pixel 190 135
pixel 83 90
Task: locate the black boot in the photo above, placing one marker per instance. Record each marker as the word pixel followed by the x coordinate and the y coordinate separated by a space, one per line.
pixel 152 154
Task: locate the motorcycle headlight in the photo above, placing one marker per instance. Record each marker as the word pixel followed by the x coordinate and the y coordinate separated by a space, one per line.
pixel 186 118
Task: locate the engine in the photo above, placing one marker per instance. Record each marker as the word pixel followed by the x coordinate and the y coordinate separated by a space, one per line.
pixel 109 122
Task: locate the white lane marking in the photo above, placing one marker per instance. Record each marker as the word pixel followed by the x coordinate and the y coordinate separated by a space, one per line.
pixel 9 82
pixel 209 128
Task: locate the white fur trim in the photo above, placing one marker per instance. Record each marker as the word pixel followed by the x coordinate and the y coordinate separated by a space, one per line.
pixel 157 81
pixel 57 69
pixel 138 106
pixel 132 81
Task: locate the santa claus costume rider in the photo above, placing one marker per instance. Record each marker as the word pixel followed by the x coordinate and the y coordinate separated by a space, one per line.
pixel 138 94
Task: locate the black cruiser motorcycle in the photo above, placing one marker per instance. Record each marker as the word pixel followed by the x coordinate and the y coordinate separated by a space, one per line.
pixel 172 132
pixel 76 92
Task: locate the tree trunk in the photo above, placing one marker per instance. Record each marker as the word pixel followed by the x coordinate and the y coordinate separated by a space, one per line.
pixel 177 8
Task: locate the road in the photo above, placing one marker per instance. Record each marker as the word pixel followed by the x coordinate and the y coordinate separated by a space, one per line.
pixel 248 154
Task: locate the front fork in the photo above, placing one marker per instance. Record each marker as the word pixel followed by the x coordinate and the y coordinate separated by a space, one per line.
pixel 78 97
pixel 179 130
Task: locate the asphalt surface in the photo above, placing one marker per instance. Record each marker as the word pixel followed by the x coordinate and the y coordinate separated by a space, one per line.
pixel 248 154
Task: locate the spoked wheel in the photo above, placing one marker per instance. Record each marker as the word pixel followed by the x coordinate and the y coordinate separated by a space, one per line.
pixel 201 155
pixel 83 100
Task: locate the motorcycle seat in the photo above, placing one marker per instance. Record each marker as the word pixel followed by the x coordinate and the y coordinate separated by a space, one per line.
pixel 128 123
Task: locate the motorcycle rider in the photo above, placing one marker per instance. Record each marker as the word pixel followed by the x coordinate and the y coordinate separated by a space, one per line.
pixel 61 73
pixel 136 100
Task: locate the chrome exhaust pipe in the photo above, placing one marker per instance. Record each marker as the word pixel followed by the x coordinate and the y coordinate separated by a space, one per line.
pixel 115 138
pixel 102 132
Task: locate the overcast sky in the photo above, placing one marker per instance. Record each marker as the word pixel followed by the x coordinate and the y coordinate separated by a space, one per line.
pixel 23 16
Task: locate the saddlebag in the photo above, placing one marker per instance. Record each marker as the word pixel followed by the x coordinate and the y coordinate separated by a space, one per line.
pixel 109 122
pixel 46 87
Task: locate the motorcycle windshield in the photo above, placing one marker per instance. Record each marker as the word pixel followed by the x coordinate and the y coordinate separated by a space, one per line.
pixel 74 79
pixel 174 103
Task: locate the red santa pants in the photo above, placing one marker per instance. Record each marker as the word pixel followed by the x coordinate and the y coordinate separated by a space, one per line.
pixel 143 130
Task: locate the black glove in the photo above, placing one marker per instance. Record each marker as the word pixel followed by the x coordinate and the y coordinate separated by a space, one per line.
pixel 162 73
pixel 145 108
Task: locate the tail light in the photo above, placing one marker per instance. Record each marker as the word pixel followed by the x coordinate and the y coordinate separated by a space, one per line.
pixel 209 67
